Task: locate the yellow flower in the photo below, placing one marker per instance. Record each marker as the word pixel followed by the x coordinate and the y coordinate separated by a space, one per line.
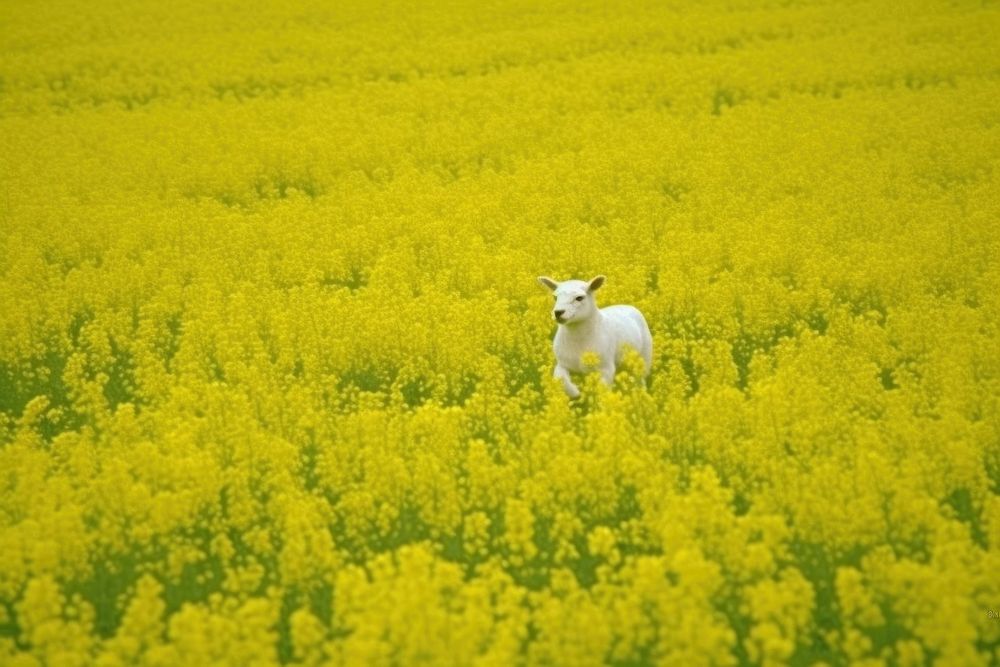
pixel 275 372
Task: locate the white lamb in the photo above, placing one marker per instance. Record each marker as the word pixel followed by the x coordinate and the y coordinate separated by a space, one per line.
pixel 583 327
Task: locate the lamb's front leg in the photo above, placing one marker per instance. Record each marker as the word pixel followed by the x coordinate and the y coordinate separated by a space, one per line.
pixel 608 374
pixel 562 375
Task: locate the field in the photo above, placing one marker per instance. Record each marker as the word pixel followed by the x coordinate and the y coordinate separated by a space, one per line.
pixel 275 371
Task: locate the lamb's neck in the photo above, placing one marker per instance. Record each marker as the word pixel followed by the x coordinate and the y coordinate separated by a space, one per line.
pixel 584 329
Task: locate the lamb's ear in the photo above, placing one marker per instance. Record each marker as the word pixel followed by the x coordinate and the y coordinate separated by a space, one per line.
pixel 595 283
pixel 545 281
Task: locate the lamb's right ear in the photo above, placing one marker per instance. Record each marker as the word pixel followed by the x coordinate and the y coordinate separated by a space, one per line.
pixel 545 281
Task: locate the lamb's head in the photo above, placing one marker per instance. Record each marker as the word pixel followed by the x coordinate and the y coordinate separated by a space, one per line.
pixel 574 299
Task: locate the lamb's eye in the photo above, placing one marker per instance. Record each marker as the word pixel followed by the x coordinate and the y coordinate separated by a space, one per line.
pixel 579 298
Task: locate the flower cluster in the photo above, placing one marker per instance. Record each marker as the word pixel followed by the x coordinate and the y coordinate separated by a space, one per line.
pixel 275 373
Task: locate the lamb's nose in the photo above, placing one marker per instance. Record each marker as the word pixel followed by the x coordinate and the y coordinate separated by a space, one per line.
pixel 558 313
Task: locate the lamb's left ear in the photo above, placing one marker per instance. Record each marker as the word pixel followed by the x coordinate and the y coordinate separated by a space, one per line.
pixel 545 281
pixel 595 283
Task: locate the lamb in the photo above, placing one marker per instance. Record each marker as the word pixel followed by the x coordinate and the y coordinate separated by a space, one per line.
pixel 583 327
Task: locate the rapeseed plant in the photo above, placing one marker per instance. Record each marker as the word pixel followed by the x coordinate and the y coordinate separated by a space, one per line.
pixel 274 372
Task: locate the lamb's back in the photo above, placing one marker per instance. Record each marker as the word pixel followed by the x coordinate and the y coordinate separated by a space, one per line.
pixel 626 321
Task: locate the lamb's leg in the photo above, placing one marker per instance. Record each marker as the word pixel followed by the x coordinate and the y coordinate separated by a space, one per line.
pixel 562 375
pixel 608 374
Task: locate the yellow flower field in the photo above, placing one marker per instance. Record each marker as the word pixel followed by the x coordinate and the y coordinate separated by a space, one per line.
pixel 275 371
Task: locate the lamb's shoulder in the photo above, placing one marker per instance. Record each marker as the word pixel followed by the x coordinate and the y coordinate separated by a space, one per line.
pixel 569 347
pixel 567 351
